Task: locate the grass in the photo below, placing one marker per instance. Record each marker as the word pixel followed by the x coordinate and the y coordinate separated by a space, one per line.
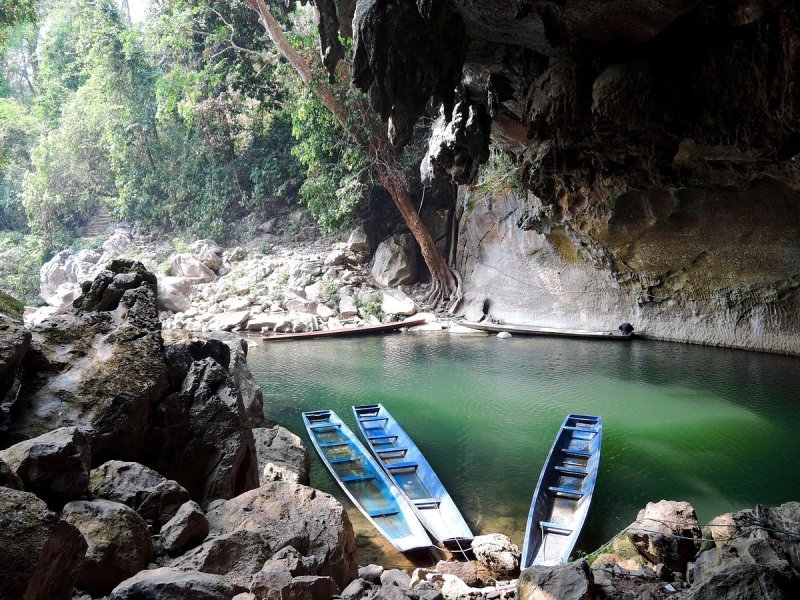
pixel 10 306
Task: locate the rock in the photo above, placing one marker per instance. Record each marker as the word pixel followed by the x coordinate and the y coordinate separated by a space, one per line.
pixel 175 584
pixel 200 437
pixel 228 320
pixel 656 523
pixel 15 342
pixel 504 335
pixel 185 530
pixel 335 257
pixel 41 553
pixel 396 302
pixel 60 278
pixel 314 292
pixel 267 226
pixel 119 244
pixel 115 372
pixel 395 261
pixel 457 145
pixel 471 572
pixel 186 265
pixel 453 588
pixel 359 240
pixel 371 573
pixel 303 587
pixel 235 254
pixel 55 466
pixel 315 522
pixel 391 592
pixel 497 553
pixel 119 542
pixel 245 596
pixel 35 317
pixel 281 455
pixel 396 577
pixel 149 493
pixel 347 307
pixel 262 322
pixel 249 389
pixel 357 589
pixel 573 581
pixel 325 311
pixel 208 253
pixel 8 478
pixel 744 569
pixel 300 305
pixel 174 292
pixel 457 329
pixel 236 304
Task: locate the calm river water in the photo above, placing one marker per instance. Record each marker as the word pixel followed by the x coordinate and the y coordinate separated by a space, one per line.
pixel 718 428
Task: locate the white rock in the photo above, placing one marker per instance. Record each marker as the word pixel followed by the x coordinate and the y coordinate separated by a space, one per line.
pixel 455 328
pixel 263 321
pixel 324 311
pixel 228 320
pixel 347 307
pixel 336 257
pixel 504 335
pixel 33 317
pixel 236 303
pixel 427 327
pixel 359 241
pixel 396 302
pixel 396 261
pixel 314 291
pixel 174 293
pixel 454 588
pixel 186 265
pixel 119 244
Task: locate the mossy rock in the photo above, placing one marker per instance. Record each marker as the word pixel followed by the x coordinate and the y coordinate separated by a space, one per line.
pixel 10 306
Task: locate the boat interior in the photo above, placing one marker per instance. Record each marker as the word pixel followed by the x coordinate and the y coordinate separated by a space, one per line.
pixel 565 491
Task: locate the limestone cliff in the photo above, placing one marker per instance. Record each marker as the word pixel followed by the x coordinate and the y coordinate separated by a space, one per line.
pixel 658 145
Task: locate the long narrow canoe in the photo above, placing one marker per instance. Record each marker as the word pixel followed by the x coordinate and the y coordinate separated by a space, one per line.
pixel 414 477
pixel 271 336
pixel 364 482
pixel 521 329
pixel 562 497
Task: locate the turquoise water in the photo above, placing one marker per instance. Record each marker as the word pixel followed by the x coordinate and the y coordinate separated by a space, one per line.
pixel 718 428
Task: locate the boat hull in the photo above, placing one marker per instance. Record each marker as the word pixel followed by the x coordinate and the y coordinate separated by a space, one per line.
pixel 409 470
pixel 269 336
pixel 564 492
pixel 364 482
pixel 521 329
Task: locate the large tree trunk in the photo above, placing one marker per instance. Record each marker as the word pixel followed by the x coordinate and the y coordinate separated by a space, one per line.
pixel 445 287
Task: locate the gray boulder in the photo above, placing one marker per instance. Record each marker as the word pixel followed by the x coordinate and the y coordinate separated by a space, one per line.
pixel 174 292
pixel 119 542
pixel 497 553
pixel 186 265
pixel 357 589
pixel 371 573
pixel 281 455
pixel 472 572
pixel 175 584
pixel 55 466
pixel 150 494
pixel 185 530
pixel 359 240
pixel 395 261
pixel 654 533
pixel 15 341
pixel 252 396
pixel 41 553
pixel 282 514
pixel 573 581
pixel 396 577
pixel 8 478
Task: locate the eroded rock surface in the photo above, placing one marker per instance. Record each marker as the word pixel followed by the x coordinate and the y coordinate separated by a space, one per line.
pixel 281 455
pixel 667 532
pixel 175 584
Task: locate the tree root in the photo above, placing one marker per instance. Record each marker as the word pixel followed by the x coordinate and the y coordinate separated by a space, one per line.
pixel 445 292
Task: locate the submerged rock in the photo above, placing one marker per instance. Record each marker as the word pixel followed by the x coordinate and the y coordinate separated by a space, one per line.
pixel 41 553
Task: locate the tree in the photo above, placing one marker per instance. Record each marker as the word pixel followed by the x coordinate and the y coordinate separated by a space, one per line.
pixel 368 132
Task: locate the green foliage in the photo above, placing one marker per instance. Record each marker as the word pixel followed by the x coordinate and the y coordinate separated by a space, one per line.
pixel 499 174
pixel 20 257
pixel 10 306
pixel 370 305
pixel 330 290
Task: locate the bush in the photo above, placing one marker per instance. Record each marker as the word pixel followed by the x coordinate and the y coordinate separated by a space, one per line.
pixel 370 305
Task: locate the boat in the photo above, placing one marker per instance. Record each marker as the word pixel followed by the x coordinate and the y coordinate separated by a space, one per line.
pixel 272 336
pixel 564 492
pixel 364 481
pixel 408 469
pixel 521 329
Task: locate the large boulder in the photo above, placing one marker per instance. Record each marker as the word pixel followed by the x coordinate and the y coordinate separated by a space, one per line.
pixel 149 493
pixel 55 465
pixel 397 302
pixel 497 553
pixel 359 240
pixel 174 293
pixel 226 321
pixel 15 341
pixel 207 252
pixel 185 530
pixel 288 514
pixel 252 396
pixel 472 572
pixel 119 542
pixel 186 265
pixel 573 581
pixel 175 584
pixel 8 478
pixel 61 277
pixel 41 553
pixel 667 532
pixel 200 438
pixel 396 261
pixel 281 455
pixel 267 586
pixel 99 367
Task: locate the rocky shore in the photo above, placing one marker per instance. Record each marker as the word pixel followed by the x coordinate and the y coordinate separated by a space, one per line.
pixel 132 469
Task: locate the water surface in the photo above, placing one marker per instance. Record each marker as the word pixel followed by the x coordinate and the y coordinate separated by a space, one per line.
pixel 715 427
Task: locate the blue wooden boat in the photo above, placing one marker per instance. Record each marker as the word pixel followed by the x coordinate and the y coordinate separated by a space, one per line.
pixel 564 492
pixel 364 482
pixel 412 474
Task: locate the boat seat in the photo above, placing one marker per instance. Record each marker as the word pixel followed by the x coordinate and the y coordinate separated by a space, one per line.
pixel 392 450
pixel 557 528
pixel 425 503
pixel 568 492
pixel 402 465
pixel 367 419
pixel 344 459
pixel 572 471
pixel 576 428
pixel 383 513
pixel 381 438
pixel 576 453
pixel 320 426
pixel 333 444
pixel 351 478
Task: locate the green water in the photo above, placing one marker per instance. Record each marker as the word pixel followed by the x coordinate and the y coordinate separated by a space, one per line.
pixel 718 428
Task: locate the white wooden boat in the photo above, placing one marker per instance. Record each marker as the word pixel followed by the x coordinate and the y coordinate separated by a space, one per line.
pixel 564 492
pixel 522 329
pixel 408 469
pixel 364 481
